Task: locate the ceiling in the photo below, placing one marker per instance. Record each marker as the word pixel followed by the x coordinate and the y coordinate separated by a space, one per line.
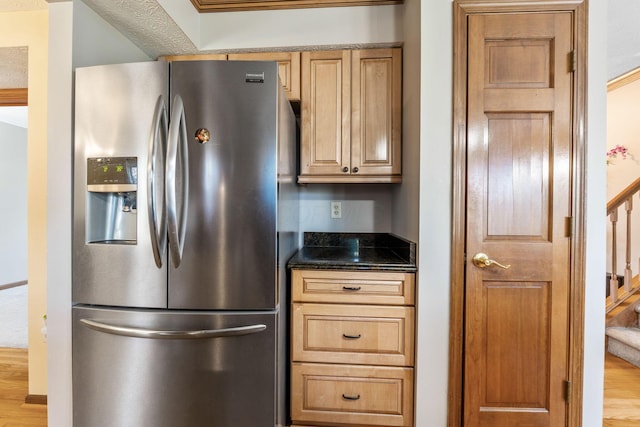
pixel 160 34
pixel 623 43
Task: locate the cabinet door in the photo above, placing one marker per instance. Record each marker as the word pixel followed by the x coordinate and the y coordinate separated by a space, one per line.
pixel 288 68
pixel 376 106
pixel 325 147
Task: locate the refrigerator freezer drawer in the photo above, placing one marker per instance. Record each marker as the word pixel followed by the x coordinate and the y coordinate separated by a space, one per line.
pixel 166 369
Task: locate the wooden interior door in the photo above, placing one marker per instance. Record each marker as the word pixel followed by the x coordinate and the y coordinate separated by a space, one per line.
pixel 519 139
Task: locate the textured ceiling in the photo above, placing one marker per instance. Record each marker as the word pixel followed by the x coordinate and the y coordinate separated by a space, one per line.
pixel 21 5
pixel 14 60
pixel 623 43
pixel 13 67
pixel 146 24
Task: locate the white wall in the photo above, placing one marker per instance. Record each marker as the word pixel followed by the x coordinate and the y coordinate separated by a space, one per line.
pixel 595 216
pixel 77 37
pixel 365 207
pixel 59 216
pixel 436 77
pixel 300 27
pixel 96 42
pixel 406 197
pixel 623 128
pixel 13 196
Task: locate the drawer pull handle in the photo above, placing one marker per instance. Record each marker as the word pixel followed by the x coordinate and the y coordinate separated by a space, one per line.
pixel 351 288
pixel 352 337
pixel 348 397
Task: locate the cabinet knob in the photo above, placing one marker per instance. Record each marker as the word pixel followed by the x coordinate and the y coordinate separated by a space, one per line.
pixel 355 170
pixel 345 169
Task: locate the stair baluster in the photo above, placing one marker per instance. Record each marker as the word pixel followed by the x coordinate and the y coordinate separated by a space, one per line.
pixel 613 282
pixel 628 205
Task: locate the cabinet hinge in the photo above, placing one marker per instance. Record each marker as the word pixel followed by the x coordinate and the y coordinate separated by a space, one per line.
pixel 567 390
pixel 573 61
pixel 568 226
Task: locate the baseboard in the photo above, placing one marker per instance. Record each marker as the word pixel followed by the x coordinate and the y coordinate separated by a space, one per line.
pixel 36 399
pixel 13 285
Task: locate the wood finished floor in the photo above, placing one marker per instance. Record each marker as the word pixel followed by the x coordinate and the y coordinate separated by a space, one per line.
pixel 621 393
pixel 13 390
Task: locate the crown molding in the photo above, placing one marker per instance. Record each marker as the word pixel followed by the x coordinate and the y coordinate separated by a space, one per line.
pixel 204 6
pixel 624 79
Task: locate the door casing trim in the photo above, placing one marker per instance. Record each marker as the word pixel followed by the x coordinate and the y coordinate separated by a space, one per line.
pixel 461 11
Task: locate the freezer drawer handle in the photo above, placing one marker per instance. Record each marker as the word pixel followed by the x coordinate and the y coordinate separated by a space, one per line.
pixel 172 335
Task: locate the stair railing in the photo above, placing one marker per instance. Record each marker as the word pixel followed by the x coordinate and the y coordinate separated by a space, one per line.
pixel 617 295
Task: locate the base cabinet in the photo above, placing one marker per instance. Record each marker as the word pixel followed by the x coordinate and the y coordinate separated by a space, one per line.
pixel 352 348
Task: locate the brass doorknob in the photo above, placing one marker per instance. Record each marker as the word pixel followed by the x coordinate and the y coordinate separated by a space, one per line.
pixel 482 260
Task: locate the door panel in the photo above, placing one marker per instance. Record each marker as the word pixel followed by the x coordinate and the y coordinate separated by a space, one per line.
pixel 516 350
pixel 518 196
pixel 229 259
pixel 517 176
pixel 114 117
pixel 376 111
pixel 326 113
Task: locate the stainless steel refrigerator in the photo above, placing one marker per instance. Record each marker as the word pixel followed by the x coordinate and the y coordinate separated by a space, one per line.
pixel 185 213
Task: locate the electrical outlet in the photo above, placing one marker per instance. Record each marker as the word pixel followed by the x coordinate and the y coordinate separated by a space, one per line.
pixel 336 209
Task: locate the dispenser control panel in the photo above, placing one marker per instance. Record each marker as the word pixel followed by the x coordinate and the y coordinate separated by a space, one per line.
pixel 105 173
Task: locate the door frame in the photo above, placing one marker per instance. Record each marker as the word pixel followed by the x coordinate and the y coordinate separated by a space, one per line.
pixel 462 9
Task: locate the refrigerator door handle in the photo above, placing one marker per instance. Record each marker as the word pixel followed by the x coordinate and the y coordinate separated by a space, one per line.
pixel 177 148
pixel 157 222
pixel 172 335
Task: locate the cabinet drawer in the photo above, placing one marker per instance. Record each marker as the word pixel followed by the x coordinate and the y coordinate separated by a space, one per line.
pixel 353 287
pixel 344 394
pixel 353 334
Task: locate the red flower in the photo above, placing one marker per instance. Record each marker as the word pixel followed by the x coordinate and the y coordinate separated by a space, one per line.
pixel 618 149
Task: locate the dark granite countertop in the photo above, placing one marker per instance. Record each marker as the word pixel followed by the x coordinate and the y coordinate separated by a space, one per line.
pixel 355 251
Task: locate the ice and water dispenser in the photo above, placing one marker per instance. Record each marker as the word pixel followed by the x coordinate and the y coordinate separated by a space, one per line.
pixel 112 184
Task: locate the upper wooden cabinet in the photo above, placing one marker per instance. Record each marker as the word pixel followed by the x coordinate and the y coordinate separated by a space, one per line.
pixel 288 68
pixel 351 116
